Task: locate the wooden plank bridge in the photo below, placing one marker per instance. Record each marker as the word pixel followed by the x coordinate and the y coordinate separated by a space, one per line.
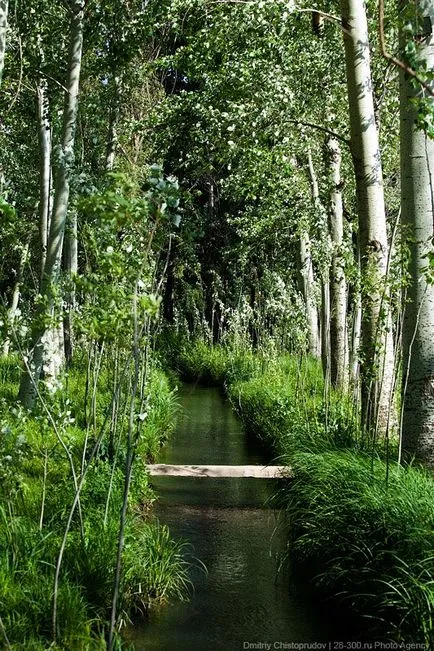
pixel 201 472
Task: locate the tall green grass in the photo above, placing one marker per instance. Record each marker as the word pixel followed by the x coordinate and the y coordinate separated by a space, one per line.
pixel 211 365
pixel 368 539
pixel 156 567
pixel 286 407
pixel 160 416
pixel 155 570
pixel 36 493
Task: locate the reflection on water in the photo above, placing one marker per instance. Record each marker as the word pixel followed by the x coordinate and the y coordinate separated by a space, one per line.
pixel 241 599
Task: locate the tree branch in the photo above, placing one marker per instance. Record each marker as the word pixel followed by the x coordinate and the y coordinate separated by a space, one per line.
pixel 329 17
pixel 319 127
pixel 397 62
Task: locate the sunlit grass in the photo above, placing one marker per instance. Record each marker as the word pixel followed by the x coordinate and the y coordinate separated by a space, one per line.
pixel 157 569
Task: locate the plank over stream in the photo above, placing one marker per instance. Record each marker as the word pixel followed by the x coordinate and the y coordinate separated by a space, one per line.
pixel 201 472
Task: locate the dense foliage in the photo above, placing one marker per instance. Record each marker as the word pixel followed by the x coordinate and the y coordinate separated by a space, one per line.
pixel 226 183
pixel 37 492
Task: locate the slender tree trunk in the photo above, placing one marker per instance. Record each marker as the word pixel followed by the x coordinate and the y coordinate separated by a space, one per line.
pixel 377 358
pixel 50 282
pixel 170 285
pixel 112 130
pixel 4 6
pixel 111 145
pixel 53 354
pixel 71 270
pixel 355 340
pixel 417 201
pixel 45 169
pixel 338 286
pixel 307 284
pixel 325 327
pixel 15 298
pixel 321 218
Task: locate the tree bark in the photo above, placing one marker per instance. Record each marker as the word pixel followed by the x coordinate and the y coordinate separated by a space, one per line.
pixel 52 352
pixel 112 130
pixel 45 169
pixel 320 216
pixel 356 326
pixel 338 285
pixel 417 201
pixel 71 270
pixel 377 357
pixel 4 6
pixel 307 283
pixel 50 282
pixel 325 326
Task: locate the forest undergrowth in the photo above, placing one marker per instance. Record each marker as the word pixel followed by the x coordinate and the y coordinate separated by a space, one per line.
pixel 43 456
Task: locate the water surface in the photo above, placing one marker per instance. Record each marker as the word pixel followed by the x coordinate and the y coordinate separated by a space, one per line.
pixel 242 599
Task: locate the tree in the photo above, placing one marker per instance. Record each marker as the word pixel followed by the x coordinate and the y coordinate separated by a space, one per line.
pixel 417 200
pixel 307 287
pixel 318 346
pixel 377 359
pixel 50 282
pixel 338 285
pixel 45 171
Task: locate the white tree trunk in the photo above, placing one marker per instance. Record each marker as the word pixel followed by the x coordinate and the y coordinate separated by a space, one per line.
pixel 338 285
pixel 71 269
pixel 417 201
pixel 111 145
pixel 307 286
pixel 4 6
pixel 40 336
pixel 377 359
pixel 356 327
pixel 52 353
pixel 113 121
pixel 325 327
pixel 45 169
pixel 320 217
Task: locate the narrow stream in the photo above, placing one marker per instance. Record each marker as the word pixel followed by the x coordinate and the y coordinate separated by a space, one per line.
pixel 241 600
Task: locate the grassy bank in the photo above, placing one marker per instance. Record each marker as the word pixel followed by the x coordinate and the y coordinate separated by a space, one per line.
pixel 39 456
pixel 359 524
